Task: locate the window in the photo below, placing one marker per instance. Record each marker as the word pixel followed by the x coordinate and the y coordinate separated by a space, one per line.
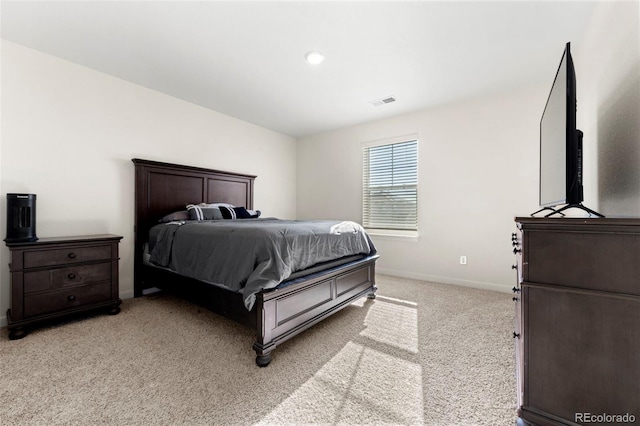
pixel 390 185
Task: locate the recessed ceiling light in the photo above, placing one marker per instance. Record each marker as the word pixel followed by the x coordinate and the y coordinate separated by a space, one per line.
pixel 314 57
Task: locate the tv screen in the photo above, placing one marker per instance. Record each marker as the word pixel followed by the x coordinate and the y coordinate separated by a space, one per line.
pixel 560 141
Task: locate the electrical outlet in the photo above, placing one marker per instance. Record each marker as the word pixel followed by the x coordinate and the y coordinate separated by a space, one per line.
pixel 463 260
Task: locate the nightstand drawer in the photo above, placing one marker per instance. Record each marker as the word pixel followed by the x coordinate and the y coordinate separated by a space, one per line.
pixel 40 258
pixel 54 301
pixel 66 277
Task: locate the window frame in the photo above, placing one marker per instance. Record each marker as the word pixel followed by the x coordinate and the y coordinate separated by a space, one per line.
pixel 366 176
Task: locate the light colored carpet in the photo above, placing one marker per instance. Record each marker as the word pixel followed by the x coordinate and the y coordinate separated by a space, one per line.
pixel 421 353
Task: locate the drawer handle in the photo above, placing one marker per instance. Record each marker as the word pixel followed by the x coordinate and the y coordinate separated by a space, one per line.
pixel 71 298
pixel 71 276
pixel 71 255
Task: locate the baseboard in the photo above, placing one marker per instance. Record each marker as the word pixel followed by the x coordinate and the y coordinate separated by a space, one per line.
pixel 3 321
pixel 444 280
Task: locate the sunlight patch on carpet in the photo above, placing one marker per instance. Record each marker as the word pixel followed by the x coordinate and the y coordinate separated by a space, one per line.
pixel 393 324
pixel 358 385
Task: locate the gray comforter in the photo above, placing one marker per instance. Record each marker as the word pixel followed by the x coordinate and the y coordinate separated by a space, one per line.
pixel 250 255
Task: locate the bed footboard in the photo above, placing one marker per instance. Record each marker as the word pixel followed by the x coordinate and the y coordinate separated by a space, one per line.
pixel 283 313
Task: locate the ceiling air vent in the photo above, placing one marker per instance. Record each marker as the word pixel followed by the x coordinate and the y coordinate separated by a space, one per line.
pixel 383 101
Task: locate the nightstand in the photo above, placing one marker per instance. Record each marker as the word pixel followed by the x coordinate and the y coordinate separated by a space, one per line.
pixel 52 278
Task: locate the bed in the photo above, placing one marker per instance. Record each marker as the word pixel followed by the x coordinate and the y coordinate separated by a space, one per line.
pixel 277 314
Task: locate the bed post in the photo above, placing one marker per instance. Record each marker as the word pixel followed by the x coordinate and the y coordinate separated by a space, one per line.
pixel 263 345
pixel 140 215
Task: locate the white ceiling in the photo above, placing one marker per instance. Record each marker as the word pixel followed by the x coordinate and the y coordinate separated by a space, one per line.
pixel 246 59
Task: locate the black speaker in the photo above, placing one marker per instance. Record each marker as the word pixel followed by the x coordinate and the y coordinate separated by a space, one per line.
pixel 21 218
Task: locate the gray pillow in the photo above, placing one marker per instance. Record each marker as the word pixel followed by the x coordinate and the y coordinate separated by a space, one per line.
pixel 203 213
pixel 176 216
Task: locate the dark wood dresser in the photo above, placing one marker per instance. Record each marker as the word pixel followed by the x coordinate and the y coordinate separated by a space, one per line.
pixel 578 320
pixel 56 277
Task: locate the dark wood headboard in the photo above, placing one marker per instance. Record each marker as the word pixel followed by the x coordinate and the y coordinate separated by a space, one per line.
pixel 163 188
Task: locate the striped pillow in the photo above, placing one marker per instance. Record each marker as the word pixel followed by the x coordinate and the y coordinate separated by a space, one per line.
pixel 203 213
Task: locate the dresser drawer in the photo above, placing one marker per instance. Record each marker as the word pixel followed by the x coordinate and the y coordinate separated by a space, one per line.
pixel 54 301
pixel 588 260
pixel 65 277
pixel 41 258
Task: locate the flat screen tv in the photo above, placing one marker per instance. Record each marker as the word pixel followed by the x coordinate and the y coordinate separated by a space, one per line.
pixel 561 144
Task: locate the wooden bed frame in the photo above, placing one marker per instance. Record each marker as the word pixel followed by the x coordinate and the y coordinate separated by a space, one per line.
pixel 278 314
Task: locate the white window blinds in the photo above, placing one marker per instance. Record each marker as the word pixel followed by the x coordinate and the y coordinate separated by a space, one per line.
pixel 390 186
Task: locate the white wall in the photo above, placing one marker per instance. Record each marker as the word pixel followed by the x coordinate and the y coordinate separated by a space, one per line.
pixel 69 134
pixel 607 64
pixel 478 161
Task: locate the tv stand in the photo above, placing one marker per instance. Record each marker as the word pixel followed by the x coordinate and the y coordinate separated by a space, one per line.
pixel 553 211
pixel 577 206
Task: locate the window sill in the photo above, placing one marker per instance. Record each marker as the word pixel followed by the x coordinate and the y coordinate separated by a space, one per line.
pixel 393 234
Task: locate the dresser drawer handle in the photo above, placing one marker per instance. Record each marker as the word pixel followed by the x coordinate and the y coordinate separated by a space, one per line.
pixel 71 298
pixel 71 276
pixel 71 255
